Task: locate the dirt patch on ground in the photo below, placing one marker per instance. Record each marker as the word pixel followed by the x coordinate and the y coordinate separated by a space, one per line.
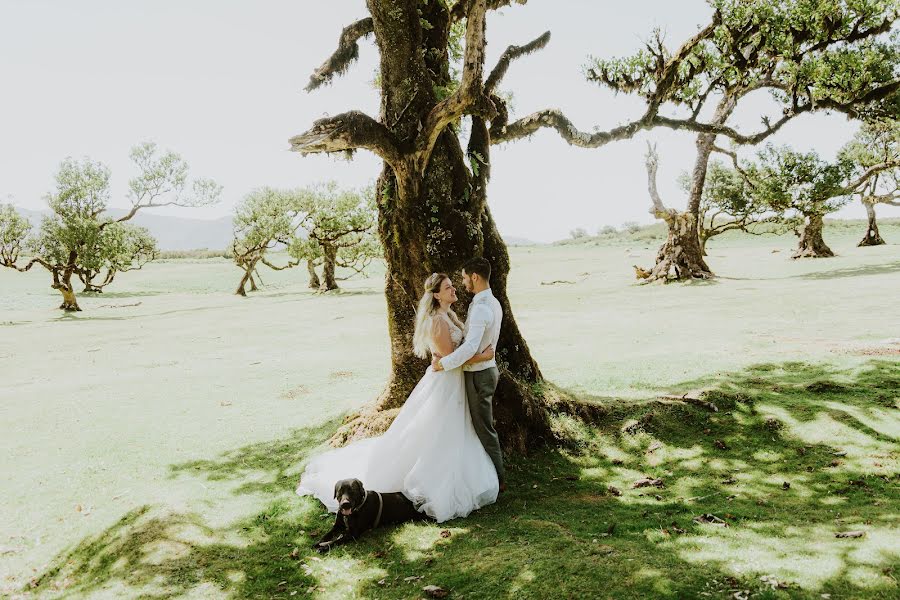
pixel 886 350
pixel 295 392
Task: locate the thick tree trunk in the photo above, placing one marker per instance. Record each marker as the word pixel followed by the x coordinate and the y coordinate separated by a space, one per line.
pixel 811 244
pixel 64 287
pixel 434 222
pixel 681 256
pixel 314 282
pixel 872 237
pixel 247 277
pixel 253 287
pixel 330 257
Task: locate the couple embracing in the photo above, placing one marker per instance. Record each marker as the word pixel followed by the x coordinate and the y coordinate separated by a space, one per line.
pixel 441 451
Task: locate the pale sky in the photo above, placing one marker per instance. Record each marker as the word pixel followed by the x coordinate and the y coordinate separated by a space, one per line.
pixel 221 82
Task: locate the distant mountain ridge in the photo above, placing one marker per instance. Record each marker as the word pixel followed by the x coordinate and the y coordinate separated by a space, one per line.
pixel 179 233
pixel 171 233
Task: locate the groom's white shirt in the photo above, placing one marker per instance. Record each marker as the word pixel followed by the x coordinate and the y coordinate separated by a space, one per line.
pixel 482 329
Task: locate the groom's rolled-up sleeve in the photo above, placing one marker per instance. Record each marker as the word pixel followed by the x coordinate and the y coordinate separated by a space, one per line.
pixel 481 318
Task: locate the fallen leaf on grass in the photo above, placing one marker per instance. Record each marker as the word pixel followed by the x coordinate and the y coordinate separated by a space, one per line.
pixel 614 490
pixel 720 445
pixel 773 583
pixel 435 591
pixel 445 533
pixel 850 534
pixel 413 578
pixel 647 481
pixel 785 486
pixel 654 447
pixel 711 519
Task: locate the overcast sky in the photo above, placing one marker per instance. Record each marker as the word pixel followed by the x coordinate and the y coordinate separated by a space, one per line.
pixel 221 82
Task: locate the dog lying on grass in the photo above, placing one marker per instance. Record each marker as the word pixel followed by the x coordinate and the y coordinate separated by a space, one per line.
pixel 360 510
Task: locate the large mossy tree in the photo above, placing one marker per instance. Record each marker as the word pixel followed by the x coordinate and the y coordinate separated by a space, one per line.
pixel 431 194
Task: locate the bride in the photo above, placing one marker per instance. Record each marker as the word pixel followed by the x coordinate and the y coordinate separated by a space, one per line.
pixel 431 452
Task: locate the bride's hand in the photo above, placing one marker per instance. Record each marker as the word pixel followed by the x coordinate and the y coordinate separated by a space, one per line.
pixel 486 354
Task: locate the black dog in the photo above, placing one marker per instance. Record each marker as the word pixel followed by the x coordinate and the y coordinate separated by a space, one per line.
pixel 361 510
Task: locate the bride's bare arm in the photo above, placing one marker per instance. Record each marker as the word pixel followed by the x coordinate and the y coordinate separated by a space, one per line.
pixel 440 337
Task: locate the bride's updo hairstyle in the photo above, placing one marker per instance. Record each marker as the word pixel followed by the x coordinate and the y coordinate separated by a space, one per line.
pixel 427 305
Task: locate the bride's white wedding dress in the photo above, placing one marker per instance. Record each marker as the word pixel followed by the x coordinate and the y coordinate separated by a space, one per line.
pixel 431 453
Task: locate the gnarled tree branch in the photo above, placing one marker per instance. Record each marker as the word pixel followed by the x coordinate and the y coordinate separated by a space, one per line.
pixel 347 51
pixel 510 54
pixel 469 97
pixel 347 132
pixel 658 209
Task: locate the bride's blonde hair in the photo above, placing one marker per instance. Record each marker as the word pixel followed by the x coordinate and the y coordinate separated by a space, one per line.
pixel 427 305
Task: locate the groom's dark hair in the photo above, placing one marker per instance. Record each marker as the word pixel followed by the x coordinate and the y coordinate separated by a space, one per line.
pixel 480 266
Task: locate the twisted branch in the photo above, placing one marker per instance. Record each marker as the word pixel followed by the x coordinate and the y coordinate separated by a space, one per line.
pixel 347 52
pixel 510 54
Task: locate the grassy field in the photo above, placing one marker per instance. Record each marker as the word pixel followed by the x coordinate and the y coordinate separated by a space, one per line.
pixel 152 442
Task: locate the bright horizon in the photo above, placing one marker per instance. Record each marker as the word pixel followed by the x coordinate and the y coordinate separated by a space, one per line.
pixel 221 83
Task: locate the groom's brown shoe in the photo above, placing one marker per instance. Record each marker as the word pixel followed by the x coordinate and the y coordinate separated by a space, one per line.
pixel 502 487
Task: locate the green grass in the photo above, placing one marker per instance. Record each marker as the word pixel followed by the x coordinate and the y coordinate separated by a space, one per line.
pixel 151 443
pixel 559 532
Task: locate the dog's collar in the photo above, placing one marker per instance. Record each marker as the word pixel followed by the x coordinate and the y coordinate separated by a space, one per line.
pixel 380 507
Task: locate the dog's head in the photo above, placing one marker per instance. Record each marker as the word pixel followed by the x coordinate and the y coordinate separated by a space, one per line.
pixel 350 495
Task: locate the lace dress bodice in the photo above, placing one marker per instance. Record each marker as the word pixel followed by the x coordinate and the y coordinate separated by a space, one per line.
pixel 456 332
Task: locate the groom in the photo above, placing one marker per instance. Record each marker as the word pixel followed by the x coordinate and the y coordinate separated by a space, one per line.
pixel 482 330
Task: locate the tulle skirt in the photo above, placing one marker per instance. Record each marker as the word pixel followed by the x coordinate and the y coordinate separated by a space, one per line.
pixel 430 453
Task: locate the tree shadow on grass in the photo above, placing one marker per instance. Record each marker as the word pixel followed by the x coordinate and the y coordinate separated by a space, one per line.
pixel 862 270
pixel 122 294
pixel 562 531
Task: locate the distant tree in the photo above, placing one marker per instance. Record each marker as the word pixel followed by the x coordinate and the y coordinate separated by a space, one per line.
pixel 265 219
pixel 117 248
pixel 727 205
pixel 877 142
pixel 804 187
pixel 340 232
pixel 308 250
pixel 607 230
pixel 14 232
pixel 81 239
pixel 631 227
pixel 578 233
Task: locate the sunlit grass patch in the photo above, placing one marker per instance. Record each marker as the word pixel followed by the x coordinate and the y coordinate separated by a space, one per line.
pixel 690 502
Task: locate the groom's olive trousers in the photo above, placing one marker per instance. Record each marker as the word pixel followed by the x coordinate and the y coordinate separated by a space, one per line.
pixel 480 387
